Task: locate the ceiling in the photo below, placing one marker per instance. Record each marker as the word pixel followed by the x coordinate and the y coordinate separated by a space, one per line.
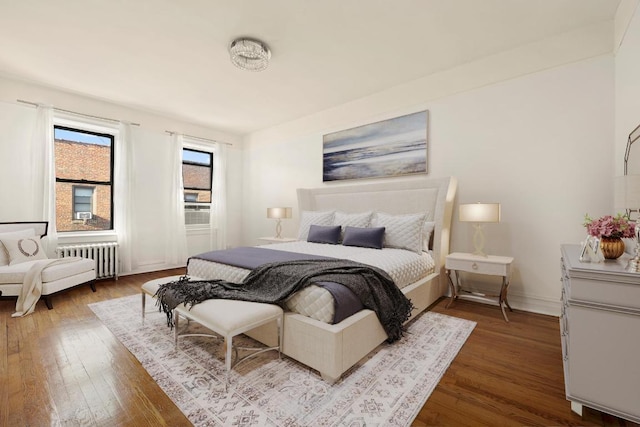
pixel 170 56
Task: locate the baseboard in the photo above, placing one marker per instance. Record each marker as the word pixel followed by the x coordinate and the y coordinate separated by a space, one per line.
pixel 150 268
pixel 532 304
pixel 540 305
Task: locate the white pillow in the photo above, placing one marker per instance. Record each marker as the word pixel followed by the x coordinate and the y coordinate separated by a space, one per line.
pixel 402 231
pixel 307 218
pixel 4 255
pixel 360 220
pixel 427 233
pixel 24 249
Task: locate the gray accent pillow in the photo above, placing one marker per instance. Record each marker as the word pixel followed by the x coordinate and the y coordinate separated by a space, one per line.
pixel 364 237
pixel 324 234
pixel 427 235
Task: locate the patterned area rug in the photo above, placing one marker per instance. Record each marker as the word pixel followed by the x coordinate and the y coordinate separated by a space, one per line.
pixel 388 387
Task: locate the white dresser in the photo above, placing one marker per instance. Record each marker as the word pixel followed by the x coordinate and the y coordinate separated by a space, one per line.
pixel 600 332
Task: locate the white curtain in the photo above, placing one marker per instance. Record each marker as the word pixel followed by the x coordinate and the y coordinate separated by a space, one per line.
pixel 123 196
pixel 219 199
pixel 44 172
pixel 176 239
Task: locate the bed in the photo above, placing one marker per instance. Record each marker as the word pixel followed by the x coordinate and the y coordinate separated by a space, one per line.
pixel 332 349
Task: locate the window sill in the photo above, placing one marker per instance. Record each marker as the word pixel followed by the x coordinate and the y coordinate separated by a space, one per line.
pixel 65 237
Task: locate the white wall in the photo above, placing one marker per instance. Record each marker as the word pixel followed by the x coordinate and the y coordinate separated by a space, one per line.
pixel 151 168
pixel 540 144
pixel 627 88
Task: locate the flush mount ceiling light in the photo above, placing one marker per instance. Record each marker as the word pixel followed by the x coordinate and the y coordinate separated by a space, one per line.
pixel 249 54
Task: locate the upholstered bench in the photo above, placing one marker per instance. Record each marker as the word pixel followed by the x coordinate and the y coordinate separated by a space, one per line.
pixel 229 318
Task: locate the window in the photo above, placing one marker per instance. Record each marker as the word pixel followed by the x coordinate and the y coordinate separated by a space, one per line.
pixel 84 179
pixel 82 202
pixel 197 176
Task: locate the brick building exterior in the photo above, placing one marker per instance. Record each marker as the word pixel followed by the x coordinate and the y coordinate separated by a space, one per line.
pixel 91 162
pixel 195 176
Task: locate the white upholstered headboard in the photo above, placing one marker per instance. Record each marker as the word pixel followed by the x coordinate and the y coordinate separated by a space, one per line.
pixel 434 196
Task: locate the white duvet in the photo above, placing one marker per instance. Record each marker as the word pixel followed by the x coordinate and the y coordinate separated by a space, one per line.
pixel 404 267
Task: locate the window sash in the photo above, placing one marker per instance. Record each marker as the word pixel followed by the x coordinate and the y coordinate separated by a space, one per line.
pixel 84 178
pixel 197 177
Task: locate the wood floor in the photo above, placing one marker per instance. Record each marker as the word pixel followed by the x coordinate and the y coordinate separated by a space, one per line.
pixel 62 367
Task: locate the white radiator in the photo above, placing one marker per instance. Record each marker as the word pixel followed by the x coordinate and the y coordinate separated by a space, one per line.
pixel 105 254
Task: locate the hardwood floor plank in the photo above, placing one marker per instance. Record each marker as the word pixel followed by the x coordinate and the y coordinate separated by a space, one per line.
pixel 68 362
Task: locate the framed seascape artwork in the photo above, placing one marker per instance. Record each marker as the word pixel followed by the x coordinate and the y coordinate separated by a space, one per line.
pixel 392 147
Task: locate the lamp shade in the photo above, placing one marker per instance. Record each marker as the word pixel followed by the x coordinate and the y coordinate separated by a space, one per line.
pixel 480 212
pixel 627 192
pixel 278 213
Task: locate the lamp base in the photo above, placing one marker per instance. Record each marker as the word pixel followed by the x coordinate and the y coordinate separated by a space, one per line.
pixel 278 229
pixel 478 241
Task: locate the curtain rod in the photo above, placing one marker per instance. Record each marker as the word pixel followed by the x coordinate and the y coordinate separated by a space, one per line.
pixel 170 132
pixel 35 104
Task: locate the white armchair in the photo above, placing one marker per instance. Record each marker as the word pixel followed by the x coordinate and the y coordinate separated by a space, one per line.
pixel 15 264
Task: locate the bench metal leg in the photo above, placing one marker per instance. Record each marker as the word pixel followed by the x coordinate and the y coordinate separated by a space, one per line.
pixel 176 321
pixel 228 346
pixel 144 302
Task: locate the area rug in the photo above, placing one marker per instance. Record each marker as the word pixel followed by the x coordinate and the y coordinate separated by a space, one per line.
pixel 386 388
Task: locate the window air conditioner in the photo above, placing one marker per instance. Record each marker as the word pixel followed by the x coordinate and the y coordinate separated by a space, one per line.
pixel 83 215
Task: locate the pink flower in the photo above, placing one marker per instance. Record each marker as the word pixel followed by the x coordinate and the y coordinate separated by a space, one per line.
pixel 610 226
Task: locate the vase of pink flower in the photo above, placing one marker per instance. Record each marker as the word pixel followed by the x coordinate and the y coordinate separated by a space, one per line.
pixel 610 230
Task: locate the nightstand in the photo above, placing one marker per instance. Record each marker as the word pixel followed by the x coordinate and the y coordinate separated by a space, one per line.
pixel 488 265
pixel 270 240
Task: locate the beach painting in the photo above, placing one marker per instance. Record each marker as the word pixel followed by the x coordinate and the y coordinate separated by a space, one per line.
pixel 393 147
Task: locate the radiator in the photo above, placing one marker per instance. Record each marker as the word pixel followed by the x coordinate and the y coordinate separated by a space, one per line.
pixel 105 254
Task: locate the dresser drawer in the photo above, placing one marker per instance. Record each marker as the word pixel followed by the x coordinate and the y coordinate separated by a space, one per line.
pixel 625 295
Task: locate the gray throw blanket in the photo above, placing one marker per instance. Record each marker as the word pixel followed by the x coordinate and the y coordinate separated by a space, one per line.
pixel 273 283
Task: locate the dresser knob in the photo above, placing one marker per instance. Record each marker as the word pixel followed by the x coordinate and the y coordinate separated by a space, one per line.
pixel 474 266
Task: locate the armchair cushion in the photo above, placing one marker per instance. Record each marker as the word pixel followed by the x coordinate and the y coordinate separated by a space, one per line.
pixel 15 273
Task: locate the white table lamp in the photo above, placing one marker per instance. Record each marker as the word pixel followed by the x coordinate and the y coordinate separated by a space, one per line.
pixel 627 196
pixel 278 214
pixel 479 213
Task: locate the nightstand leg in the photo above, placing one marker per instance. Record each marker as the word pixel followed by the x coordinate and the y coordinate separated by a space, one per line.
pixel 503 298
pixel 452 286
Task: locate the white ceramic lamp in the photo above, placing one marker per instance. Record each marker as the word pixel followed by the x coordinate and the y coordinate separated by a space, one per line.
pixel 479 213
pixel 278 214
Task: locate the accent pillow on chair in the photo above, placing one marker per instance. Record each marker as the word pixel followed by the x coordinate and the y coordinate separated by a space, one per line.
pixel 24 250
pixel 4 255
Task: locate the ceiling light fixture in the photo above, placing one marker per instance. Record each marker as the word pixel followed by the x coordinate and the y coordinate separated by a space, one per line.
pixel 249 54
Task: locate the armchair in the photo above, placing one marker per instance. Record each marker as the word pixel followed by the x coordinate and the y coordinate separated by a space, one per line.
pixel 14 267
